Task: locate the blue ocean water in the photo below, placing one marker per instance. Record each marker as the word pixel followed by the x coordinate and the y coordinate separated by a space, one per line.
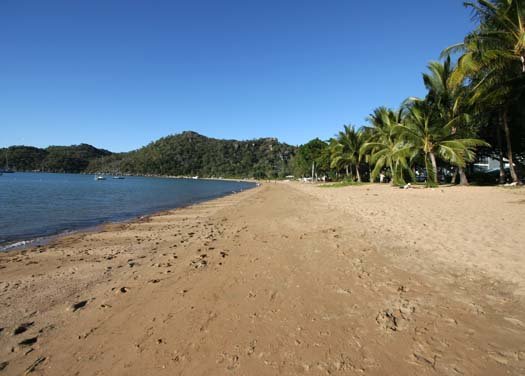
pixel 36 205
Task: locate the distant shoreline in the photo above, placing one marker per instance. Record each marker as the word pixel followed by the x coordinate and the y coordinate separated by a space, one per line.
pixel 142 176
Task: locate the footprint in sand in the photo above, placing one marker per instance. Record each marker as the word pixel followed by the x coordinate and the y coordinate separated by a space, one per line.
pixel 515 321
pixel 397 318
pixel 75 307
pixel 231 361
pixel 121 290
pixel 251 347
pixel 199 263
pixel 28 342
pixel 429 361
pixel 22 328
pixel 35 364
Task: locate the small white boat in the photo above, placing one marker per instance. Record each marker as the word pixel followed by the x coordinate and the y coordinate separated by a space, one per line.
pixel 100 177
pixel 194 177
pixel 118 177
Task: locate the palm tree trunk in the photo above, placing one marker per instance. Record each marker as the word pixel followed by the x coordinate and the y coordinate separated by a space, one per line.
pixel 434 167
pixel 462 176
pixel 454 176
pixel 393 176
pixel 500 153
pixel 347 172
pixel 509 146
pixel 358 174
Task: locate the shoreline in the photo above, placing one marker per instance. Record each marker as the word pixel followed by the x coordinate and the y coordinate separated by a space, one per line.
pixel 249 180
pixel 27 243
pixel 285 279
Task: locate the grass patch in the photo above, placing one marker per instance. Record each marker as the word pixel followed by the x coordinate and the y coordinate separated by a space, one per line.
pixel 339 184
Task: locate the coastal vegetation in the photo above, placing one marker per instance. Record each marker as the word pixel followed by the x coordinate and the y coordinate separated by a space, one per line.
pixel 73 159
pixel 185 154
pixel 474 105
pixel 190 154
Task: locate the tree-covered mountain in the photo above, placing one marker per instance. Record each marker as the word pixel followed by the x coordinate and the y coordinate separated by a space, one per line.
pixel 74 158
pixel 184 154
pixel 189 154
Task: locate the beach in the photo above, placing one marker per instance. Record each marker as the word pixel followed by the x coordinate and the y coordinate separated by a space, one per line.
pixel 283 279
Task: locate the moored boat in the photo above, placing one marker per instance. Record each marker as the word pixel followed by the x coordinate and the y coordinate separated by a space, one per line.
pixel 6 170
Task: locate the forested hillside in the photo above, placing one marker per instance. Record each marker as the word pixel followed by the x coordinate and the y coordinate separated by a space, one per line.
pixel 190 153
pixel 73 158
pixel 184 154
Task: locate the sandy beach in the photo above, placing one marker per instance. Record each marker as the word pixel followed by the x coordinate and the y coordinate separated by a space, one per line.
pixel 283 279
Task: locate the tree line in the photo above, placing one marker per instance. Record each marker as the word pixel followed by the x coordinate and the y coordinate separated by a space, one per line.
pixel 475 104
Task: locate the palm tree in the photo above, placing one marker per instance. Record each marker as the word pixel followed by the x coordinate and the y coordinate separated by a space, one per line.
pixel 493 59
pixel 425 131
pixel 346 150
pixel 386 149
pixel 449 98
pixel 359 139
pixel 366 136
pixel 340 153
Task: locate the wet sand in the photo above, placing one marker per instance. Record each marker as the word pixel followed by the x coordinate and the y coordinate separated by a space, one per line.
pixel 284 279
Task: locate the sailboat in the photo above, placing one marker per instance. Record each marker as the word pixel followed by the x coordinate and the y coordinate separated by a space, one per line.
pixel 6 170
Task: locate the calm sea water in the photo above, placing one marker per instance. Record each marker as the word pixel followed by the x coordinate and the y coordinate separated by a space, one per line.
pixel 36 205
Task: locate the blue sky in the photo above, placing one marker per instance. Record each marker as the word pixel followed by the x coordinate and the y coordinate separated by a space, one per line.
pixel 119 74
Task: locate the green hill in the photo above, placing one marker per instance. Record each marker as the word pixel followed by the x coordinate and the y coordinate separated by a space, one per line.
pixel 184 154
pixel 189 154
pixel 74 158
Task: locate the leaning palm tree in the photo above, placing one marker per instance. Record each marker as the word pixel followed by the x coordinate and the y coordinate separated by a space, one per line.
pixel 385 147
pixel 450 100
pixel 493 59
pixel 432 138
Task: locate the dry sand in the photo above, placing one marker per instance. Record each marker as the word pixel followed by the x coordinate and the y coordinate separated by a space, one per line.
pixel 284 279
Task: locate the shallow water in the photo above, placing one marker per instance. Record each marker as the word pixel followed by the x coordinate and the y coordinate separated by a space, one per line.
pixel 36 205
